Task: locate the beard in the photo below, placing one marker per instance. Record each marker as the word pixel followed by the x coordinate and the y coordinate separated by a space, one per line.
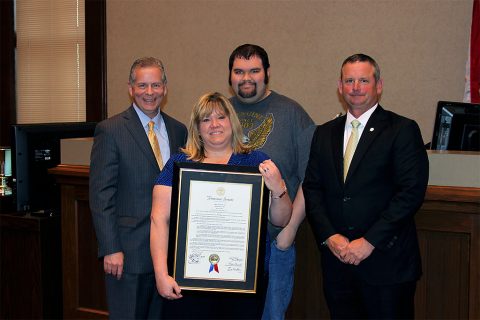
pixel 244 94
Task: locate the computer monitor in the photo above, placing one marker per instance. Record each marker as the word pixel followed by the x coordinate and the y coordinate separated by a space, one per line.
pixel 457 126
pixel 36 148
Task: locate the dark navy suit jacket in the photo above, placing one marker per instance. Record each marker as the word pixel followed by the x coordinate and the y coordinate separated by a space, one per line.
pixel 384 188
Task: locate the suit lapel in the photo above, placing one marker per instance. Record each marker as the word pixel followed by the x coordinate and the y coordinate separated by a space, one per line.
pixel 134 126
pixel 172 138
pixel 337 147
pixel 375 125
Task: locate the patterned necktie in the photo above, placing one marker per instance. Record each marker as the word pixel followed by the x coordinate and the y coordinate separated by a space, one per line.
pixel 351 146
pixel 152 137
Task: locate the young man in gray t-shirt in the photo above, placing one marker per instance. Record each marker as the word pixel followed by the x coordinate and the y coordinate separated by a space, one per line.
pixel 281 128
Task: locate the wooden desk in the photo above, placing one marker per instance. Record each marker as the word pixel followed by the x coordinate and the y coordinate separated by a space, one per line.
pixel 83 278
pixel 448 225
pixel 30 267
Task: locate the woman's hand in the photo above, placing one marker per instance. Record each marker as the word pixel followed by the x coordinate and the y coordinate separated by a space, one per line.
pixel 273 178
pixel 280 205
pixel 168 288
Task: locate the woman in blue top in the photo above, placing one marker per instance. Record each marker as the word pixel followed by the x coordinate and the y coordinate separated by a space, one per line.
pixel 215 136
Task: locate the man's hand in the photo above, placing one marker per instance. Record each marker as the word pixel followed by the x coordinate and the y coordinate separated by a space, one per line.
pixel 338 245
pixel 357 251
pixel 113 264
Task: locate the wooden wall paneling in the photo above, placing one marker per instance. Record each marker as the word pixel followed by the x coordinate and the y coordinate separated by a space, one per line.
pixel 83 282
pixel 69 261
pixel 448 225
pixel 30 267
pixel 96 59
pixel 7 70
pixel 308 301
pixel 442 292
pixel 91 276
pixel 474 285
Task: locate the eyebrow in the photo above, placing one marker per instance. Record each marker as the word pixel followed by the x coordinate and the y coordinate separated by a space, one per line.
pixel 242 69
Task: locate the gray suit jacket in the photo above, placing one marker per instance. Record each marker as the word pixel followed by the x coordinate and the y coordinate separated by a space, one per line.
pixel 122 174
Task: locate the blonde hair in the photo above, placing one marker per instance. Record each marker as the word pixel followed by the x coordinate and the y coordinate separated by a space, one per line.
pixel 206 105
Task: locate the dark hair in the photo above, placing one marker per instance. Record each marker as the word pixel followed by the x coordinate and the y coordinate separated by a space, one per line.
pixel 246 51
pixel 360 57
pixel 144 63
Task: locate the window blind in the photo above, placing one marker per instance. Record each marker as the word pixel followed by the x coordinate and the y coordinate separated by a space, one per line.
pixel 50 61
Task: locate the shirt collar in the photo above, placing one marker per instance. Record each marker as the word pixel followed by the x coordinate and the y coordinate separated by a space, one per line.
pixel 145 119
pixel 363 118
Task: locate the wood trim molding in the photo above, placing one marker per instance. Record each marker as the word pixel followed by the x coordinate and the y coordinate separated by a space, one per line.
pixel 453 194
pixel 7 71
pixel 68 174
pixel 434 193
pixel 71 170
pixel 96 59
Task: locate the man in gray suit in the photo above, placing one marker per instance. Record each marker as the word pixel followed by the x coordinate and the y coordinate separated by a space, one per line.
pixel 123 169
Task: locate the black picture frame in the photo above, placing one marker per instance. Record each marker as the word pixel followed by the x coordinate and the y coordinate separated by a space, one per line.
pixel 185 175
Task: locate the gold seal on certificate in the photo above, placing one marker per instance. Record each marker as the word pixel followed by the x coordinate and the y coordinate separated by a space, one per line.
pixel 221 191
pixel 213 259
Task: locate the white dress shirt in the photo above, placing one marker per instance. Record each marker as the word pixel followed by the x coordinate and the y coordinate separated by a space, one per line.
pixel 348 125
pixel 160 131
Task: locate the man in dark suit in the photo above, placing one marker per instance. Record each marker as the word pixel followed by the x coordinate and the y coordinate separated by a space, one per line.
pixel 361 208
pixel 123 169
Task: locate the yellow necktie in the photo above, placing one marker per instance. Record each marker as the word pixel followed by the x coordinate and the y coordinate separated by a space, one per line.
pixel 351 146
pixel 152 137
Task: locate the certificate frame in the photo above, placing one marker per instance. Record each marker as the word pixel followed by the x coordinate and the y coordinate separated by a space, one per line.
pixel 242 185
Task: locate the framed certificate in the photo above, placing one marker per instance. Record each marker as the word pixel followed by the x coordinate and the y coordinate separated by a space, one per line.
pixel 217 227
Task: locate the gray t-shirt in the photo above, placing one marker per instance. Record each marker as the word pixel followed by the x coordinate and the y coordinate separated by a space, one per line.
pixel 282 129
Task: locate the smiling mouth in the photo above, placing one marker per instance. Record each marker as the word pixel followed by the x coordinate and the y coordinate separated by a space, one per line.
pixel 149 99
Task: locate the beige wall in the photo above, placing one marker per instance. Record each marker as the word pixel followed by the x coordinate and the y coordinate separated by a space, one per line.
pixel 420 45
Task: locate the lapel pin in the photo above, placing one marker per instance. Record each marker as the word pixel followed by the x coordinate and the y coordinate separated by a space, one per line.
pixel 371 129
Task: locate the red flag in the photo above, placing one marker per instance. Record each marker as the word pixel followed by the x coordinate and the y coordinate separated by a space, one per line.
pixel 475 54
